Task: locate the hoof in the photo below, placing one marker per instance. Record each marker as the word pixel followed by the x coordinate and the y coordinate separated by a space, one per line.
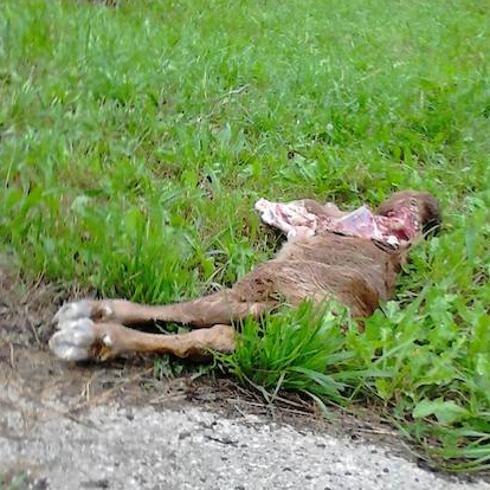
pixel 81 340
pixel 74 340
pixel 85 308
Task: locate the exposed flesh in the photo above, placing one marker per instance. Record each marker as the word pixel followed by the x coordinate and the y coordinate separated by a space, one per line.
pixel 398 228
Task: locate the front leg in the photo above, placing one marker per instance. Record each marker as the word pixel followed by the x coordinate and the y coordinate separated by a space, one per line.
pixel 270 215
pixel 298 219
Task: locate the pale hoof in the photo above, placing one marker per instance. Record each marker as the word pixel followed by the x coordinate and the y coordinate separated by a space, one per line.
pixel 85 308
pixel 74 341
pixel 82 340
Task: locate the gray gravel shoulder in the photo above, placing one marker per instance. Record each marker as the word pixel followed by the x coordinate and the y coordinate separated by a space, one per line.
pixel 141 448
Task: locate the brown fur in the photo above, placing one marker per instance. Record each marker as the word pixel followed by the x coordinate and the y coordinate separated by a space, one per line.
pixel 355 271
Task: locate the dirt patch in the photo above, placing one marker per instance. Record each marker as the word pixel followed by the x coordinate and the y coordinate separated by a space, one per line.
pixel 26 310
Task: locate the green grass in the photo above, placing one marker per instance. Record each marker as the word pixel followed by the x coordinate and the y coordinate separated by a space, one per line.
pixel 134 141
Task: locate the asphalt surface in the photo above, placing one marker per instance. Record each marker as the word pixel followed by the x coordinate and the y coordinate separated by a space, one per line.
pixel 142 448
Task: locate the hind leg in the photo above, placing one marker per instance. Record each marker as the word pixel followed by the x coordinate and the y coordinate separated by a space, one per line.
pixel 83 339
pixel 96 329
pixel 219 308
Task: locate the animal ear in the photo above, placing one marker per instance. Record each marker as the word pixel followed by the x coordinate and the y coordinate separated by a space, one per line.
pixel 432 217
pixel 431 227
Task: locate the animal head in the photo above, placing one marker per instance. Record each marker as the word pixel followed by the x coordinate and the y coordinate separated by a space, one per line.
pixel 424 207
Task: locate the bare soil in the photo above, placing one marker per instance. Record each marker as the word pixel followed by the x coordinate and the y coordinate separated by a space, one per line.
pixel 26 310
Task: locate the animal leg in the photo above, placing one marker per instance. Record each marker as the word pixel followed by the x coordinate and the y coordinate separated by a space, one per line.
pixel 221 307
pixel 84 339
